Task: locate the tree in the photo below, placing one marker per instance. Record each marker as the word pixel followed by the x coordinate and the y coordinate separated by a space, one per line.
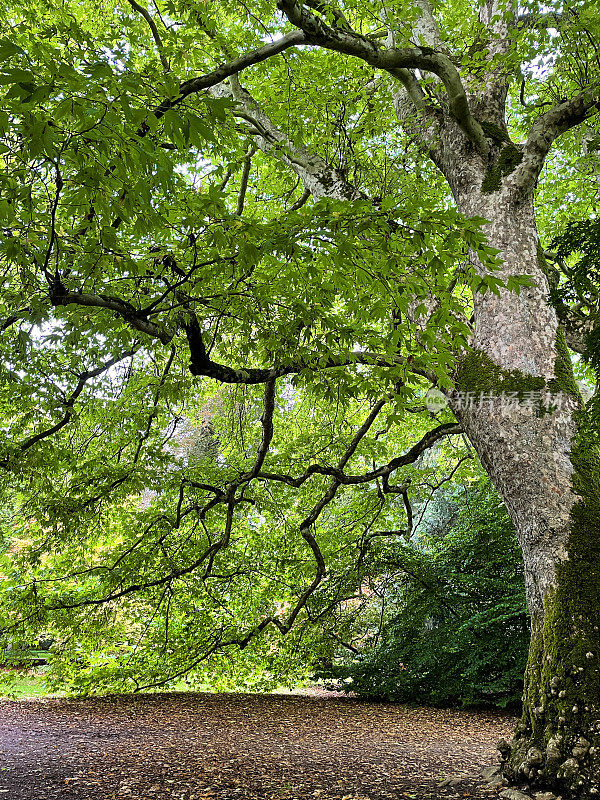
pixel 449 623
pixel 370 145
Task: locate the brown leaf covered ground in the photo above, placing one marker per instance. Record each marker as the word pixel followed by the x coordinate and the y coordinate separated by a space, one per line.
pixel 242 747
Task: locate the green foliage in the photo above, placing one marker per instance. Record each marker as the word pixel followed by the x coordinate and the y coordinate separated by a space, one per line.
pixel 132 535
pixel 578 249
pixel 457 630
pixel 156 265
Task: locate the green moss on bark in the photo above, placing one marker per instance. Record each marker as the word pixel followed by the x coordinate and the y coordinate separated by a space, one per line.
pixel 564 379
pixel 492 180
pixel 557 743
pixel 494 132
pixel 549 271
pixel 477 373
pixel 509 158
pixel 562 687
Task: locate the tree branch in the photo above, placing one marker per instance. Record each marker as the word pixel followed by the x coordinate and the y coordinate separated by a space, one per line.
pixel 546 129
pixel 426 442
pixel 69 405
pixel 244 182
pixel 22 313
pixel 577 327
pixel 155 34
pixel 203 82
pixel 300 201
pixel 391 60
pixel 61 296
pixel 318 177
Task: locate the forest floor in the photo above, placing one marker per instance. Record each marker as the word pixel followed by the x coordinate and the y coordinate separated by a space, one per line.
pixel 243 747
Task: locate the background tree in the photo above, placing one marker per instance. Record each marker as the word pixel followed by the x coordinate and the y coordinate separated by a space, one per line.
pixel 313 236
pixel 448 624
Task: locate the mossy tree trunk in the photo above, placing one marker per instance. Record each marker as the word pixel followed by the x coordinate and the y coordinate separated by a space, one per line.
pixel 520 405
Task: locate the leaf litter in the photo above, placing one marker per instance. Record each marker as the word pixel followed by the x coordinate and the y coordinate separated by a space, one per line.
pixel 186 746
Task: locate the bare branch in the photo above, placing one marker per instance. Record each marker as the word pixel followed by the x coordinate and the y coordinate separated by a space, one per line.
pixel 496 42
pixel 202 364
pixel 22 313
pixel 300 201
pixel 328 9
pixel 267 425
pixel 244 181
pixel 426 30
pixel 318 177
pixel 419 118
pixel 309 521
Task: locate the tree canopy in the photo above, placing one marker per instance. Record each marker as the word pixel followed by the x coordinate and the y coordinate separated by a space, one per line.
pixel 229 279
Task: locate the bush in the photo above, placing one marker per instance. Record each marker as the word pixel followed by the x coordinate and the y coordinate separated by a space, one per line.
pixel 457 631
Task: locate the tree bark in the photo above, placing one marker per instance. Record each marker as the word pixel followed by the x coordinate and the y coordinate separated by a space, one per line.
pixel 519 404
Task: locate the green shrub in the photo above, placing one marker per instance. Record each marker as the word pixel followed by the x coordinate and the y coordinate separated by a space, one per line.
pixel 457 630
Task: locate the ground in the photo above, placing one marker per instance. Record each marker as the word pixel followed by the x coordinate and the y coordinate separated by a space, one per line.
pixel 242 747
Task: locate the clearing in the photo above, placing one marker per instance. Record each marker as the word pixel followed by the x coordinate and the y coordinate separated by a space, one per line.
pixel 232 747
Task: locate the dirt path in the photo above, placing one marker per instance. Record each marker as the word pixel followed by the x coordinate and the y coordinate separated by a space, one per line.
pixel 231 747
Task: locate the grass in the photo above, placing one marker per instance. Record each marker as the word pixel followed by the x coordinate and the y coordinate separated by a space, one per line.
pixel 18 685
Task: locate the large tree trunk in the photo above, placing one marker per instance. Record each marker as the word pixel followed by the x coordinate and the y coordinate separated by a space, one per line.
pixel 520 406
